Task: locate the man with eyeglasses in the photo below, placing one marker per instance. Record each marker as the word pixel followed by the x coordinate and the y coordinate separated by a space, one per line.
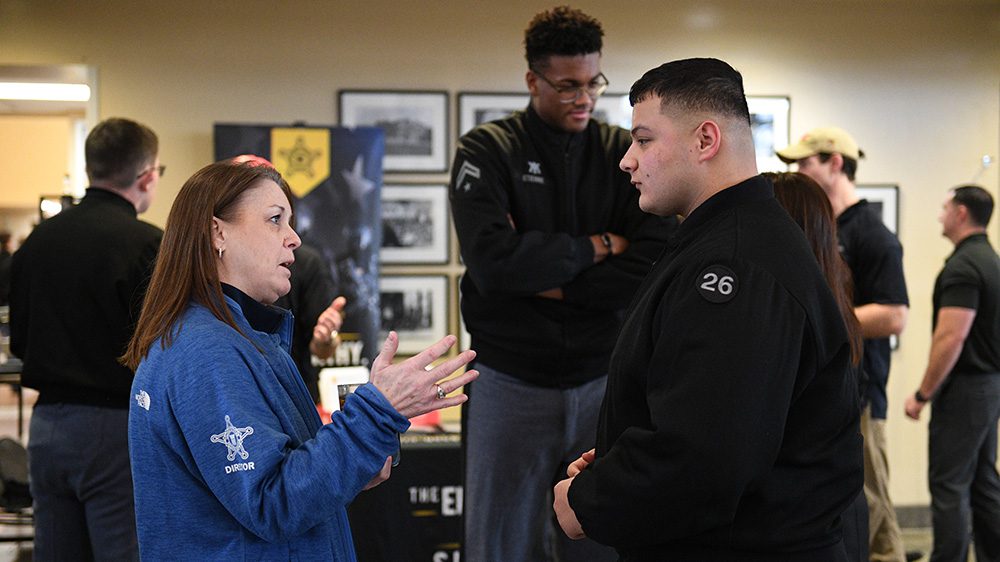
pixel 76 291
pixel 555 246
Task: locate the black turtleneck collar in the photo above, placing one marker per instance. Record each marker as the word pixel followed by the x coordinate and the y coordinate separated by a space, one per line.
pixel 756 188
pixel 105 195
pixel 847 213
pixel 978 236
pixel 261 317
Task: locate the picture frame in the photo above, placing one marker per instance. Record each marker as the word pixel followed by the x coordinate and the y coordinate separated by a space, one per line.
pixel 476 108
pixel 884 199
pixel 416 307
pixel 414 224
pixel 415 124
pixel 769 122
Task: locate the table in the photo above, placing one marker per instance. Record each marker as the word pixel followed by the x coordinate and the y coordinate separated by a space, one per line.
pixel 10 373
pixel 416 514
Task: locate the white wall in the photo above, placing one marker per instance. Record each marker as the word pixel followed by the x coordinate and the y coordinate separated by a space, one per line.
pixel 916 81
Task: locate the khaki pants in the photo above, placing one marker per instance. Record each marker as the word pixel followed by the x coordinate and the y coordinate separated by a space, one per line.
pixel 885 542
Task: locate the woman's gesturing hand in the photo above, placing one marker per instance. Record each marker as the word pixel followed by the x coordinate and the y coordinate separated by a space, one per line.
pixel 413 387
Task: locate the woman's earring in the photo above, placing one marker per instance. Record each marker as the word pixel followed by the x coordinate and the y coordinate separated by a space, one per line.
pixel 220 253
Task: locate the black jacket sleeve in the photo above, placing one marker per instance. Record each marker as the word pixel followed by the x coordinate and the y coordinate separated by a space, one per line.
pixel 611 284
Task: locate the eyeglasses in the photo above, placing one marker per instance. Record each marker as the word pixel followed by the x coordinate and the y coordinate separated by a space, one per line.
pixel 161 169
pixel 569 94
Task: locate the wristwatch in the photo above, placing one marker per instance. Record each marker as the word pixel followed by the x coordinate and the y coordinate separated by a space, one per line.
pixel 606 238
pixel 920 397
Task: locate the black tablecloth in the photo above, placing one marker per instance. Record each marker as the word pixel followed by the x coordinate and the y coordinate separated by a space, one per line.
pixel 416 515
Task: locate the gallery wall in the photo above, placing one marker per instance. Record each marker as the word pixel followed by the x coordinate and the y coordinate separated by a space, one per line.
pixel 916 81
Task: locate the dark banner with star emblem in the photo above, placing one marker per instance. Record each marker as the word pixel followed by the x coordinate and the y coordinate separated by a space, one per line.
pixel 335 174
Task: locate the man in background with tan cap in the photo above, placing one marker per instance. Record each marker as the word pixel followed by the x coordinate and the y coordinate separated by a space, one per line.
pixel 830 156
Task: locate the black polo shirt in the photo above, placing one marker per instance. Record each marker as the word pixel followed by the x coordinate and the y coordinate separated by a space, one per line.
pixel 875 258
pixel 971 279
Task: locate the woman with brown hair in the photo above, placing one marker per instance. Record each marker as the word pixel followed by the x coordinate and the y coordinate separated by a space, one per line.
pixel 809 207
pixel 229 457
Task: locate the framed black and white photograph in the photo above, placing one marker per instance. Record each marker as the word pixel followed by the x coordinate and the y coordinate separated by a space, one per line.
pixel 770 126
pixel 614 109
pixel 884 199
pixel 414 224
pixel 416 307
pixel 415 125
pixel 476 108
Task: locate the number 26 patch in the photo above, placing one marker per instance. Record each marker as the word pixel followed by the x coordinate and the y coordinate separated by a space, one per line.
pixel 717 283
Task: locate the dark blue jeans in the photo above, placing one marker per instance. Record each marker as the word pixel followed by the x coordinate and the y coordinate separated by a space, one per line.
pixel 519 440
pixel 81 482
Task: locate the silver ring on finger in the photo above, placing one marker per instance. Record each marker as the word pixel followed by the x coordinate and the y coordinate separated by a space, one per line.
pixel 440 392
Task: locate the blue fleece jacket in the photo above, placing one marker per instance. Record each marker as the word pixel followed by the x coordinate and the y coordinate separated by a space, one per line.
pixel 230 460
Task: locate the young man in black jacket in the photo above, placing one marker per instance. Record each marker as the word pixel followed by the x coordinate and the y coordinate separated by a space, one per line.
pixel 555 246
pixel 730 427
pixel 77 287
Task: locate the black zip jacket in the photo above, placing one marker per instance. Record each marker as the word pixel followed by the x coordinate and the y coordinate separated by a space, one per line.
pixel 76 292
pixel 525 199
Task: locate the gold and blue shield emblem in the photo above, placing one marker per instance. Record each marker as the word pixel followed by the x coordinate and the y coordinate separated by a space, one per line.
pixel 302 156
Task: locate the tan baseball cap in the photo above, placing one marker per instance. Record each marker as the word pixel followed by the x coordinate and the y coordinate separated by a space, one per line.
pixel 828 140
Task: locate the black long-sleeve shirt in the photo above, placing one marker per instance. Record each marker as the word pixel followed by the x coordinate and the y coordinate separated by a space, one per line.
pixel 77 285
pixel 971 279
pixel 525 199
pixel 730 426
pixel 311 293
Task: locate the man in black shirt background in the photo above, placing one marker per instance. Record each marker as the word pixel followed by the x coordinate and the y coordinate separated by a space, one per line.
pixel 313 300
pixel 963 380
pixel 318 314
pixel 830 156
pixel 77 285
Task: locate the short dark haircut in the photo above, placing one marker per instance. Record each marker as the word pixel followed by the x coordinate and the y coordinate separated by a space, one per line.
pixel 977 200
pixel 850 167
pixel 694 85
pixel 117 149
pixel 561 31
